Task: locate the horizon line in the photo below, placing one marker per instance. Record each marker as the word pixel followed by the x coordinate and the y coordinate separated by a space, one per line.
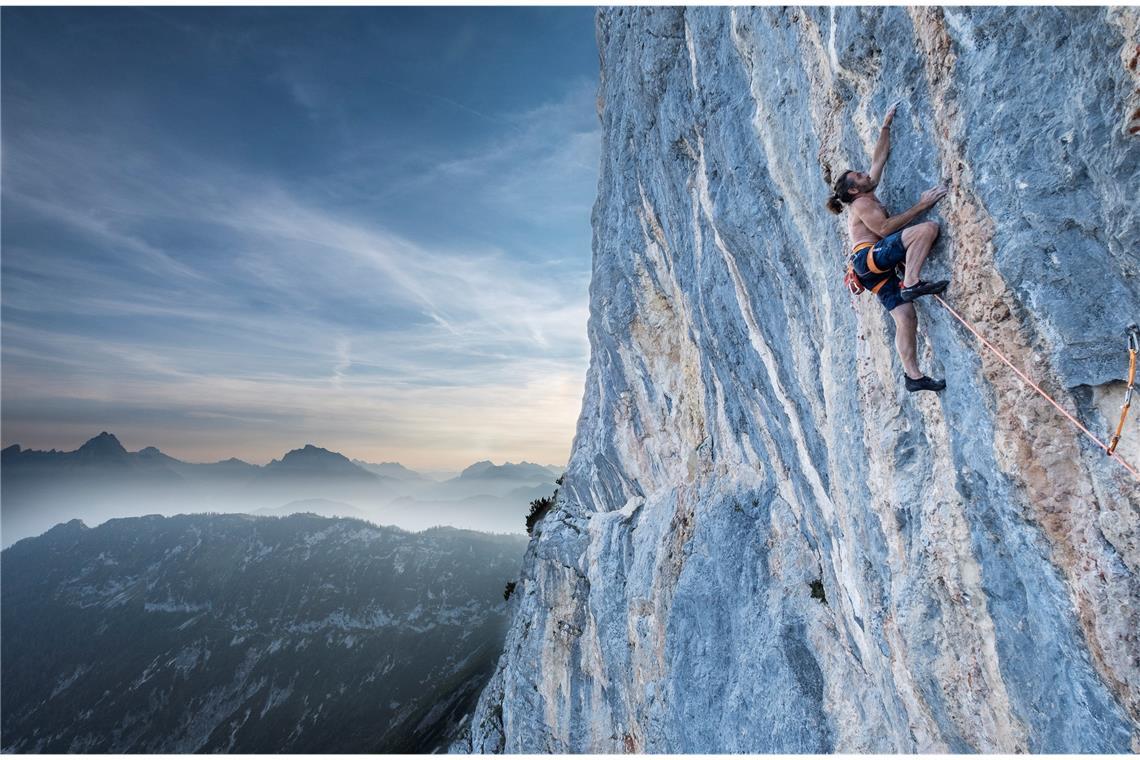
pixel 420 469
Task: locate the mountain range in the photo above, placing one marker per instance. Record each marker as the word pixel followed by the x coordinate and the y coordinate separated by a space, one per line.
pixel 102 479
pixel 240 634
pixel 105 451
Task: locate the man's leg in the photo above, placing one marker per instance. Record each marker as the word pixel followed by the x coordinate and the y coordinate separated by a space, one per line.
pixel 906 323
pixel 917 240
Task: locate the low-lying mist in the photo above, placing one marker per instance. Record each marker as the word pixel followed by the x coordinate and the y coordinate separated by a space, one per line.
pixel 101 481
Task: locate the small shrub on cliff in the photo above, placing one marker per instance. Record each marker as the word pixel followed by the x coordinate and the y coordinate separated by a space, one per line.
pixel 817 591
pixel 510 589
pixel 539 507
pixel 538 510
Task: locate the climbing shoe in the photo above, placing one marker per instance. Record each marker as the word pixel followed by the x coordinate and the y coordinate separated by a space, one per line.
pixel 922 288
pixel 924 383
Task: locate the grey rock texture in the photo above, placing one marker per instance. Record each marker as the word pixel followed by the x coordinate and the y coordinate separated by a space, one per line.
pixel 763 543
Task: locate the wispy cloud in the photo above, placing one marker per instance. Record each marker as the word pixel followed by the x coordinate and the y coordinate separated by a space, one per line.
pixel 542 154
pixel 344 361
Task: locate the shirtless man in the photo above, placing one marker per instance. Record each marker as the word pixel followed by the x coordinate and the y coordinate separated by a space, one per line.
pixel 880 244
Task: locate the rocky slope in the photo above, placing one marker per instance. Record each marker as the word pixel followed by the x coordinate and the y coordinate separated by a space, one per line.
pixel 231 633
pixel 763 543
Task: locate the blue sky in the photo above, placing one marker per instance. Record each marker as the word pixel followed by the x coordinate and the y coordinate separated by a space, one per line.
pixel 234 231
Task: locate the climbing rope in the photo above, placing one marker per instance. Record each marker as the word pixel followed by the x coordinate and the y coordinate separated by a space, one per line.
pixel 1133 347
pixel 1047 397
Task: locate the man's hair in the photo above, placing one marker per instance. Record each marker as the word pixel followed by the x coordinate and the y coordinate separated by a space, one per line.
pixel 841 195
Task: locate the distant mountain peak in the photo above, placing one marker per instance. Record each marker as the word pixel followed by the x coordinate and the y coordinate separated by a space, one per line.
pixel 103 445
pixel 477 468
pixel 314 460
pixel 151 455
pixel 67 528
pixel 389 470
pixel 312 452
pixel 522 471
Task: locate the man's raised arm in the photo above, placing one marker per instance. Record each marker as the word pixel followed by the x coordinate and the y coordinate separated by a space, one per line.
pixel 883 146
pixel 871 214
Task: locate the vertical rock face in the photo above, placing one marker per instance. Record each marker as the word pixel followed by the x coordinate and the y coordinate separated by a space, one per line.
pixel 763 543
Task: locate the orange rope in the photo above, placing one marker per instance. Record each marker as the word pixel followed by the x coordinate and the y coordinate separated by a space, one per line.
pixel 1037 388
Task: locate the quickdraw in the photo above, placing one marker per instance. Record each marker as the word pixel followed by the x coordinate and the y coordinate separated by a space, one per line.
pixel 1133 348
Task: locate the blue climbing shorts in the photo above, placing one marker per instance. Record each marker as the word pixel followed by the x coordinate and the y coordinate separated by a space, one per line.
pixel 884 256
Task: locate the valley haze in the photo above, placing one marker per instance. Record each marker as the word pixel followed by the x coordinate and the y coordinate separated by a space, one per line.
pixel 102 480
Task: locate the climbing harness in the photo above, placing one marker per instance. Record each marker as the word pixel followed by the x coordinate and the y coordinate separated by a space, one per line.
pixel 852 280
pixel 1133 341
pixel 1133 347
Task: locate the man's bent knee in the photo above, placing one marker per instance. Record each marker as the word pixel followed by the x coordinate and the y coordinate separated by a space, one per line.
pixel 904 314
pixel 932 229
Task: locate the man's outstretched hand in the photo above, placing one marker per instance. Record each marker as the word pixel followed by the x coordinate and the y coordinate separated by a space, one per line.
pixel 890 115
pixel 932 196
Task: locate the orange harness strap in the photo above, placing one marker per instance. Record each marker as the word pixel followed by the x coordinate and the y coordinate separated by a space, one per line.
pixel 868 247
pixel 871 262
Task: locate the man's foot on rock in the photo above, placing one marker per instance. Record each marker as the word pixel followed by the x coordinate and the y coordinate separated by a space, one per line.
pixel 924 383
pixel 922 288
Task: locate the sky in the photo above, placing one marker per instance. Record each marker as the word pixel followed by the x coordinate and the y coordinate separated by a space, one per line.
pixel 236 231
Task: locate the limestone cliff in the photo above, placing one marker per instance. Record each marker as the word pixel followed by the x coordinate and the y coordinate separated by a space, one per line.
pixel 763 543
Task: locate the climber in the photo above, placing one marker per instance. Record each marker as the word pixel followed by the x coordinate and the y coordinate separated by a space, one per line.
pixel 880 243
